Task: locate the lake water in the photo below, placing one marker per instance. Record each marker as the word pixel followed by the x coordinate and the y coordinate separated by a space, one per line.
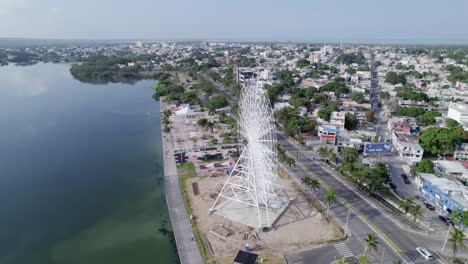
pixel 80 171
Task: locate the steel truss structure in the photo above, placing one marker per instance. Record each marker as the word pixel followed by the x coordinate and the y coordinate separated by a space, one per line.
pixel 251 181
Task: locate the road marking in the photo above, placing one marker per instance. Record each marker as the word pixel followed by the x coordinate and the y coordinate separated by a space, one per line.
pixel 389 242
pixel 343 250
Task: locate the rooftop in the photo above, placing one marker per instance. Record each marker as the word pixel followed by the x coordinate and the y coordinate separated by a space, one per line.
pixel 449 187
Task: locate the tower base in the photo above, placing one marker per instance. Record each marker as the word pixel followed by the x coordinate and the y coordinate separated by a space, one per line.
pixel 248 215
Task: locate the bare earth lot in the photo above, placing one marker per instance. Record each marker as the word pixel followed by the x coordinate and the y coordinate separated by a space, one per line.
pixel 300 226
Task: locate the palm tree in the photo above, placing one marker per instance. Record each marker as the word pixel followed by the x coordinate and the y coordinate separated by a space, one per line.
pixel 457 240
pixel 416 211
pixel 330 197
pixel 300 138
pixel 332 156
pixel 314 184
pixel 281 152
pixel 406 205
pixel 323 152
pixel 371 243
pixel 456 215
pixel 342 260
pixel 291 162
pixel 349 154
pixel 305 180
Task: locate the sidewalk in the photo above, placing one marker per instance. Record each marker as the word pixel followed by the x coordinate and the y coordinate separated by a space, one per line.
pixel 183 234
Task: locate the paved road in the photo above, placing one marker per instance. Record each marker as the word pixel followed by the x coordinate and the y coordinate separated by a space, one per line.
pixel 186 246
pixel 405 239
pixel 221 89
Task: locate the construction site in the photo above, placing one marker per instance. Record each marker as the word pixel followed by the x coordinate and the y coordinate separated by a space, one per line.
pixel 239 196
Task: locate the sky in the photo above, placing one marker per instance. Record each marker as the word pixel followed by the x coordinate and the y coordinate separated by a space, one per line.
pixel 419 21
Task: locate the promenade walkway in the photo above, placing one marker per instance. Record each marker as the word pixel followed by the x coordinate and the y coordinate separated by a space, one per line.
pixel 186 246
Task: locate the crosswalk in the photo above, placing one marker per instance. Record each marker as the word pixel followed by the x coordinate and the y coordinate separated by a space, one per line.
pixel 343 250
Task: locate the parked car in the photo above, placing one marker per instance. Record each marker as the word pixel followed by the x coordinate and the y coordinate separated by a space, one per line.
pixel 407 181
pixel 404 176
pixel 429 206
pixel 392 185
pixel 446 220
pixel 424 253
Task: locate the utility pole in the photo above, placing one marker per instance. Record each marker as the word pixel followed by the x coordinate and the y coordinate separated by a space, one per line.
pixel 347 219
pixel 381 259
pixel 446 238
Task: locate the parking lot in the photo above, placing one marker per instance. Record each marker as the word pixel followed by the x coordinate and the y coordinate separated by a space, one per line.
pixel 212 149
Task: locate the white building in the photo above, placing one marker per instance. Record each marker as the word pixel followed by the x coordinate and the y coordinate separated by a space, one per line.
pixel 338 119
pixel 410 152
pixel 314 57
pixel 459 113
pixel 461 153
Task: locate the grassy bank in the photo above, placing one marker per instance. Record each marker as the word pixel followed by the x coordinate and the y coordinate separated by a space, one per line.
pixel 187 171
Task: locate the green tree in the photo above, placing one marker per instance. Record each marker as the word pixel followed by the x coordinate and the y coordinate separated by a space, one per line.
pixel 337 87
pixel 385 95
pixel 370 117
pixel 313 184
pixel 305 180
pixel 216 102
pixel 451 123
pixel 202 122
pixel 416 211
pixel 323 152
pixel 290 161
pixel 332 156
pixel 440 140
pixel 395 78
pixel 371 243
pixel 456 240
pixel 406 205
pixel 301 63
pixel 349 154
pixel 351 121
pixel 426 166
pixel 330 197
pixel 358 97
pixel 325 113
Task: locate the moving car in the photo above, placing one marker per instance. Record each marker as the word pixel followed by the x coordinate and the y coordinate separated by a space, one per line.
pixel 424 253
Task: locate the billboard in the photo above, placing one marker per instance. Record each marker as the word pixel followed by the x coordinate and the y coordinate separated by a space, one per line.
pixel 377 148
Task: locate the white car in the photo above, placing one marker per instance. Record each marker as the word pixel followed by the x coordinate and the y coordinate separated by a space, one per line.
pixel 424 253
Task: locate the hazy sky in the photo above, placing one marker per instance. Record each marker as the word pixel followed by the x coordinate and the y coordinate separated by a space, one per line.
pixel 296 20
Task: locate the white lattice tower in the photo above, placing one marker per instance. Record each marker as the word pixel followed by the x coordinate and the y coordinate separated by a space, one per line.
pixel 252 179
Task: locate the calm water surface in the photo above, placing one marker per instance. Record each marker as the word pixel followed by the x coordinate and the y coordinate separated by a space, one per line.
pixel 80 170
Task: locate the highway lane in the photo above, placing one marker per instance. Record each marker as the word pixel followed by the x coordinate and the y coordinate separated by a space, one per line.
pixel 406 240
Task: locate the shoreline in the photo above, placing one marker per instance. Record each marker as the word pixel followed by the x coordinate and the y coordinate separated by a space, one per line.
pixel 187 247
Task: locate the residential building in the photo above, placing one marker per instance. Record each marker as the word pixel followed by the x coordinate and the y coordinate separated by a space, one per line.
pixel 314 57
pixel 451 167
pixel 409 151
pixel 328 133
pixel 461 152
pixel 459 113
pixel 447 194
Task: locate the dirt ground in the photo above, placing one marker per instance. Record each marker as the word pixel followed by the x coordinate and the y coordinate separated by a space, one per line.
pixel 300 226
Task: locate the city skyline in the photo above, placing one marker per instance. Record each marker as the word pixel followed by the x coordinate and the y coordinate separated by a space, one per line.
pixel 425 22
